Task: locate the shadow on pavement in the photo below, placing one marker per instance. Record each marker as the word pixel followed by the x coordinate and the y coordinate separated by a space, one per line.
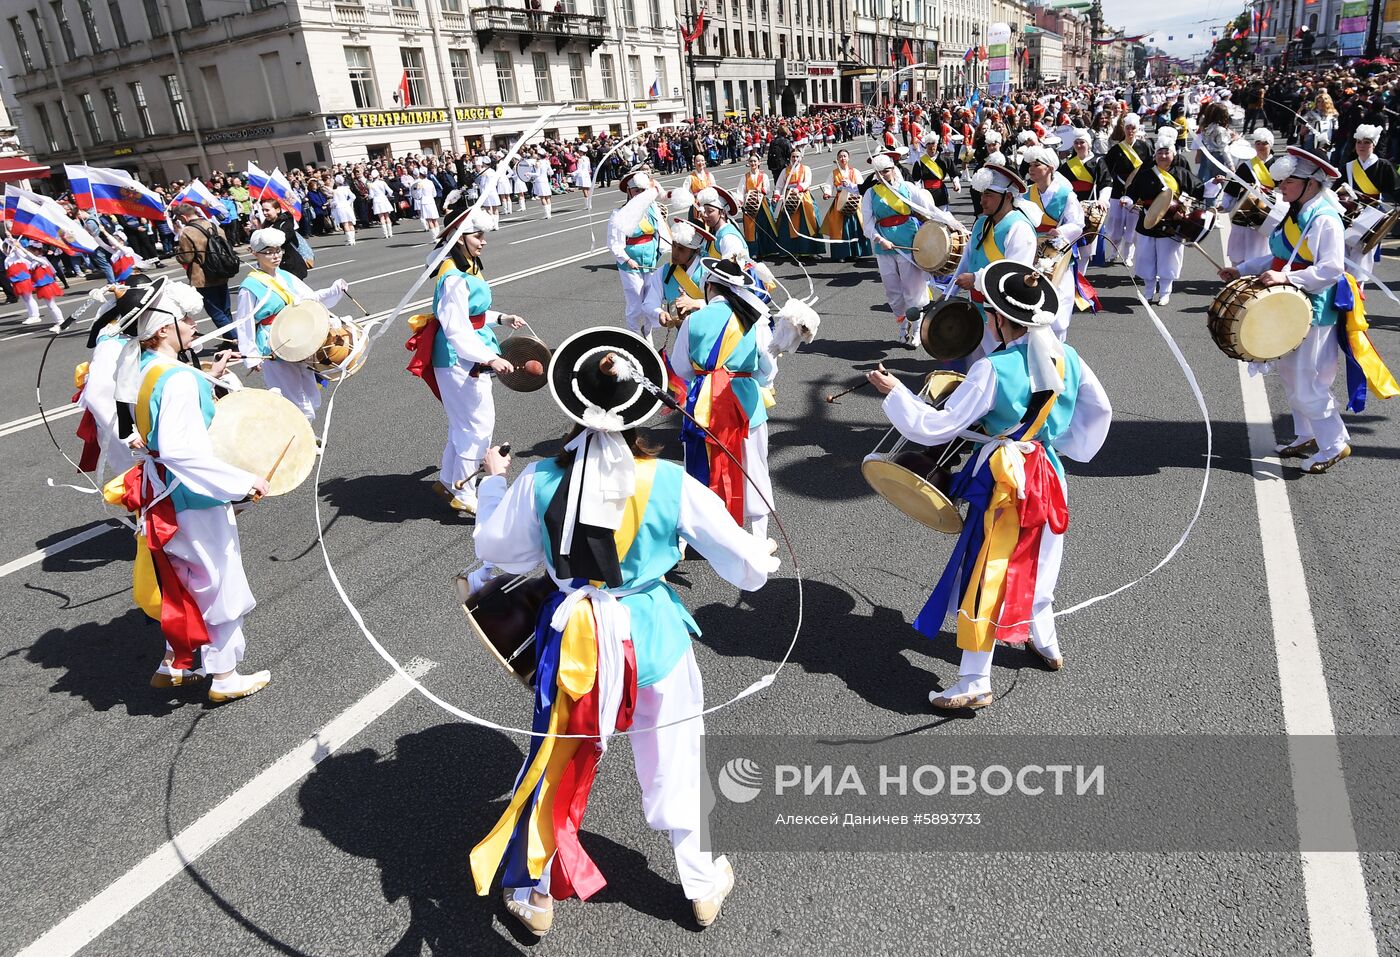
pixel 417 813
pixel 393 498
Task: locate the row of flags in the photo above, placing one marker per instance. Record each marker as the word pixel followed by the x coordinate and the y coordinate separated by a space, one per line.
pixel 116 192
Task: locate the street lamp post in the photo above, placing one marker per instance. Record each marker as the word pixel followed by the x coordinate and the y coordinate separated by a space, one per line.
pixel 972 63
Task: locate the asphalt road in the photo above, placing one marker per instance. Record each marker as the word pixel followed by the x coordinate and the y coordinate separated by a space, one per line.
pixel 367 854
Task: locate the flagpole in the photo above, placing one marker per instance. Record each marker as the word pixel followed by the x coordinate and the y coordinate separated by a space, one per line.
pixel 163 8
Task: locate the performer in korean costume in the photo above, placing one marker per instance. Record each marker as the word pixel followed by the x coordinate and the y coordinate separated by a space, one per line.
pixel 794 225
pixel 105 422
pixel 1038 401
pixel 455 351
pixel 1159 253
pixel 265 292
pixel 1307 251
pixel 613 642
pixel 700 176
pixel 34 281
pixel 842 220
pixel 634 236
pixel 722 356
pixel 1060 219
pixel 683 279
pixel 1368 178
pixel 716 208
pixel 1003 230
pixel 189 567
pixel 1245 243
pixel 892 210
pixel 935 170
pixel 760 228
pixel 1125 155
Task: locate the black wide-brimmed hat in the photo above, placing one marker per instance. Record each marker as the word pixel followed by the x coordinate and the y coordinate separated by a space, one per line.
pixel 602 399
pixel 141 293
pixel 1019 293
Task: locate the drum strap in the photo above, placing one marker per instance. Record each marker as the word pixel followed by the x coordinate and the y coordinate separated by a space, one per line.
pixel 1170 181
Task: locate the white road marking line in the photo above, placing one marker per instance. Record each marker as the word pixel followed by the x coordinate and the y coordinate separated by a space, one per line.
pixel 566 229
pixel 36 421
pixel 60 546
pixel 34 416
pixel 81 927
pixel 1334 886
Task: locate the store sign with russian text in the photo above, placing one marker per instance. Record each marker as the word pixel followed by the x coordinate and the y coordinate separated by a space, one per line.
pixel 383 119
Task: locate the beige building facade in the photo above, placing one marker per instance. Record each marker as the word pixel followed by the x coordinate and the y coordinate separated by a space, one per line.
pixel 324 81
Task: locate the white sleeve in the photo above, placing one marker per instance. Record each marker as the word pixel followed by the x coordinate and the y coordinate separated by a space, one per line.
pixel 680 355
pixel 923 203
pixel 920 422
pixel 507 526
pixel 867 218
pixel 454 315
pixel 1253 267
pixel 735 555
pixel 1071 225
pixel 617 240
pixel 1327 242
pixel 1020 243
pixel 731 245
pixel 243 310
pixel 767 365
pixel 1093 413
pixel 184 445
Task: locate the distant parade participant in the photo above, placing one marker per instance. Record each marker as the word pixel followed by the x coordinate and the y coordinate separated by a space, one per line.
pixel 425 193
pixel 183 494
pixel 1081 167
pixel 1120 163
pixel 265 292
pixel 760 230
pixel 1159 253
pixel 1038 401
pixel 613 643
pixel 700 176
pixel 891 211
pixel 797 217
pixel 842 223
pixel 33 280
pixel 583 176
pixel 343 210
pixel 986 149
pixel 1245 243
pixel 540 185
pixel 1307 251
pixel 1369 178
pixel 455 354
pixel 716 207
pixel 381 203
pixel 1002 231
pixel 634 237
pixel 489 184
pixel 722 355
pixel 934 170
pixel 1061 220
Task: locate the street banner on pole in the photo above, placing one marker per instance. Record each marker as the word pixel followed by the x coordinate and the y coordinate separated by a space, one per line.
pixel 998 59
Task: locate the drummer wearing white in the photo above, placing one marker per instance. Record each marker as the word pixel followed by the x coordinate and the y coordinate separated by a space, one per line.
pixel 1121 163
pixel 634 238
pixel 1061 220
pixel 1306 252
pixel 1002 231
pixel 890 211
pixel 1246 243
pixel 265 292
pixel 1159 253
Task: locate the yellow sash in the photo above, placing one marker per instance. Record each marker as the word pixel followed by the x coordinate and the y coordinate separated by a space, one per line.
pixel 990 249
pixel 932 166
pixel 1045 218
pixel 578 670
pixel 1261 173
pixel 686 283
pixel 981 602
pixel 1170 181
pixel 1294 233
pixel 275 284
pixel 892 199
pixel 1081 172
pixel 1132 155
pixel 733 333
pixel 1361 181
pixel 143 398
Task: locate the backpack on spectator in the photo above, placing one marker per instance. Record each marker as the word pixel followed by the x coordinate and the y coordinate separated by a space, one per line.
pixel 218 260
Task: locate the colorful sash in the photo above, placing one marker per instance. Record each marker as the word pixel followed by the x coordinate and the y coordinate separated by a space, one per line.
pixel 545 812
pixel 1081 172
pixel 892 199
pixel 930 164
pixel 1131 153
pixel 713 403
pixel 1364 364
pixel 1362 181
pixel 1169 181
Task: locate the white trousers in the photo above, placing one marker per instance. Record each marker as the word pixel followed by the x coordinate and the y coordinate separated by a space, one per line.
pixel 471 418
pixel 1120 228
pixel 906 285
pixel 31 307
pixel 756 462
pixel 1158 263
pixel 296 382
pixel 1064 311
pixel 641 298
pixel 671 772
pixel 1245 244
pixel 1307 373
pixel 209 562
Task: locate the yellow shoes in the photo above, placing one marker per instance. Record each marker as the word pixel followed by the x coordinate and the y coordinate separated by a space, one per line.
pixel 237 686
pixel 536 918
pixel 176 679
pixel 707 908
pixel 1317 465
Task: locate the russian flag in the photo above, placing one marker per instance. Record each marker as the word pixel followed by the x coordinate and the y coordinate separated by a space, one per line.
pixel 113 191
pixel 197 194
pixel 40 218
pixel 273 186
pixel 967 57
pixel 655 90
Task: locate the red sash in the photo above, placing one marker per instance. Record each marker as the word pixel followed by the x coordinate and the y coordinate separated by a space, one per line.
pixel 890 221
pixel 421 345
pixel 730 425
pixel 1044 504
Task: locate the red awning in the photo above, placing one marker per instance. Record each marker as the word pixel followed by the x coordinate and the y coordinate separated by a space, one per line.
pixel 15 168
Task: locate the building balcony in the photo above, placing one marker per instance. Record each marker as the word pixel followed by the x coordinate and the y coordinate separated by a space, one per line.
pixel 491 23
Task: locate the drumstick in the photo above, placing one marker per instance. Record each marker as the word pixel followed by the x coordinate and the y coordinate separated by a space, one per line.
pixel 272 471
pixel 356 302
pixel 1210 259
pixel 462 483
pixel 859 385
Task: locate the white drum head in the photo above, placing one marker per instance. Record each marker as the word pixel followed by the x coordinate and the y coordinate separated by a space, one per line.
pixel 1275 324
pixel 1157 209
pixel 299 330
pixel 252 428
pixel 932 244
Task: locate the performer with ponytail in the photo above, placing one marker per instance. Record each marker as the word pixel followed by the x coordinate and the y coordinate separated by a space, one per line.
pixel 842 221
